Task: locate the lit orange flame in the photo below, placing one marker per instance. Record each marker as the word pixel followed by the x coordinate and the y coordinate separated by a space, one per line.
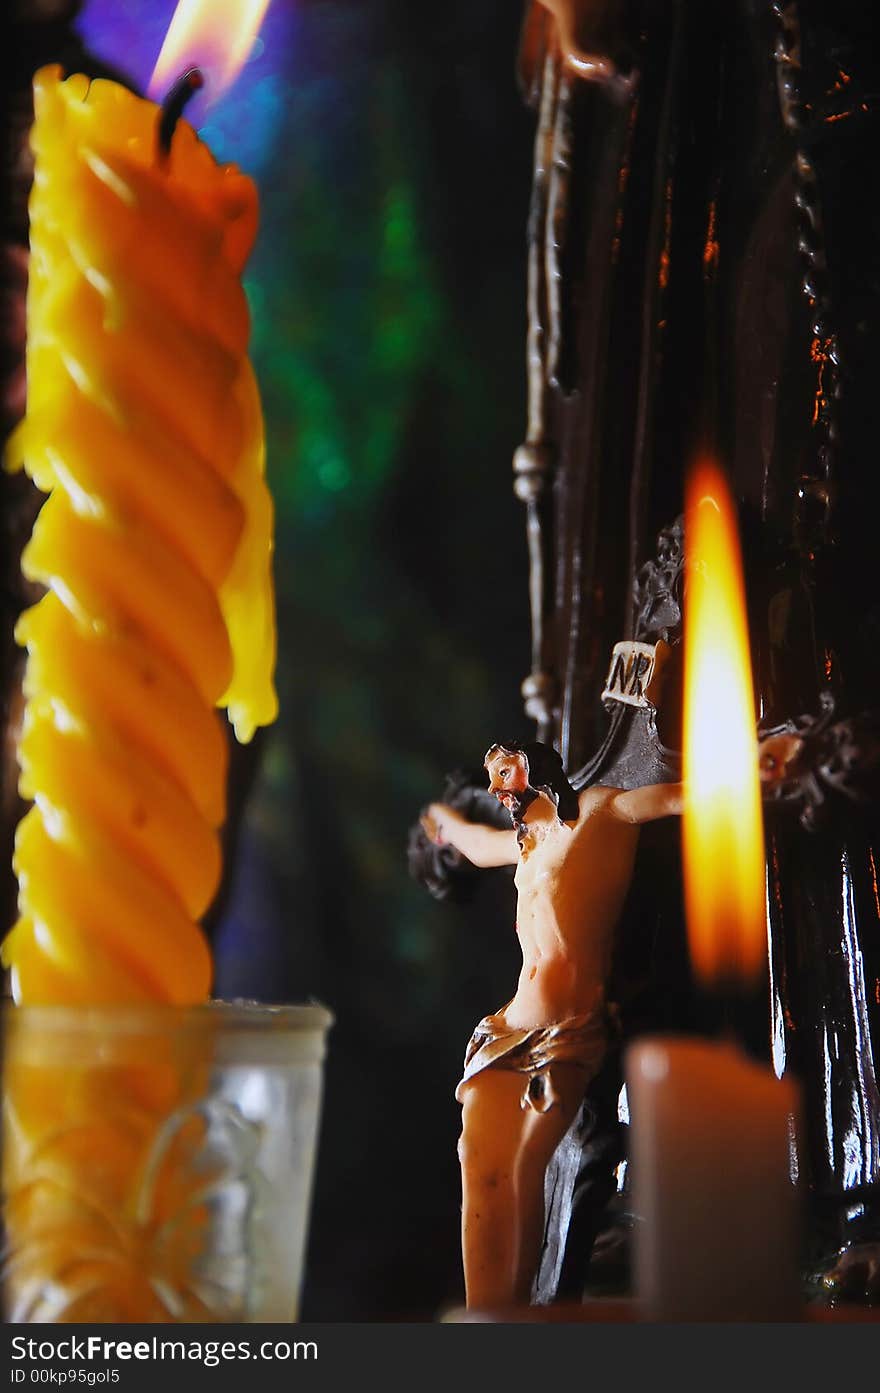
pixel 723 833
pixel 214 35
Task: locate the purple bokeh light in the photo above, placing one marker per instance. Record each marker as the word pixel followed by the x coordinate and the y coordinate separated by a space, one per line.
pixel 244 125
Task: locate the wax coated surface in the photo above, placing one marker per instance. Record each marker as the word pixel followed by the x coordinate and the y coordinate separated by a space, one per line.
pixel 144 427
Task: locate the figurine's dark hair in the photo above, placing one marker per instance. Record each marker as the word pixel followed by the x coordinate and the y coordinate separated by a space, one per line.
pixel 443 871
pixel 545 773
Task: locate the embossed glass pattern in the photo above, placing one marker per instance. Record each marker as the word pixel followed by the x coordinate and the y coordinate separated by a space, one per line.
pixel 157 1161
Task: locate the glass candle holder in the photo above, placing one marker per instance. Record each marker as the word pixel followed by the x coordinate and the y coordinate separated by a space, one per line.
pixel 157 1161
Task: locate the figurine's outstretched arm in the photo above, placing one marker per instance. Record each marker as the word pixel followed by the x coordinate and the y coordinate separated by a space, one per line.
pixel 649 803
pixel 483 846
pixel 776 755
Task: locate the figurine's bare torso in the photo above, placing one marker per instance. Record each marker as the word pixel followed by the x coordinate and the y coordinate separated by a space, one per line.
pixel 571 880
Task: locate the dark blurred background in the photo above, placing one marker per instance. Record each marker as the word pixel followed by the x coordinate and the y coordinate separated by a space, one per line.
pixel 393 156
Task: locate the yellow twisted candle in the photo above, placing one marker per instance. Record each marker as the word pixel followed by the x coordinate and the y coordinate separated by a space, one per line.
pixel 144 427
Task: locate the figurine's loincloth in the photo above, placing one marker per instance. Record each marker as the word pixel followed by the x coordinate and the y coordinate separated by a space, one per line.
pixel 579 1040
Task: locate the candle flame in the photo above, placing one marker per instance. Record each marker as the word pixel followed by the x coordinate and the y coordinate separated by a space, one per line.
pixel 213 35
pixel 723 830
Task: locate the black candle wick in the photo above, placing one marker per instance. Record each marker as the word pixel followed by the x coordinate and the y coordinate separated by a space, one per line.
pixel 176 99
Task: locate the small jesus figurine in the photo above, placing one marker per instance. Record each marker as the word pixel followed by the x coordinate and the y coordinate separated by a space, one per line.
pixel 527 1066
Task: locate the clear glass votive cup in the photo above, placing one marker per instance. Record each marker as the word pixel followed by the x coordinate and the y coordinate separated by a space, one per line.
pixel 157 1161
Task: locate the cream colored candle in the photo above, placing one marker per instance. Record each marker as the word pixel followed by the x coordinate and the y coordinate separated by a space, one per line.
pixel 711 1154
pixel 712 1131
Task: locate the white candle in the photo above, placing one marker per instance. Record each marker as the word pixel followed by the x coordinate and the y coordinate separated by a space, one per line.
pixel 712 1131
pixel 711 1145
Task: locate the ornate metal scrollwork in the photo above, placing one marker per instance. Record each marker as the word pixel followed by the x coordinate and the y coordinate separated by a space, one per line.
pixel 534 462
pixel 809 760
pixel 814 503
pixel 658 588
